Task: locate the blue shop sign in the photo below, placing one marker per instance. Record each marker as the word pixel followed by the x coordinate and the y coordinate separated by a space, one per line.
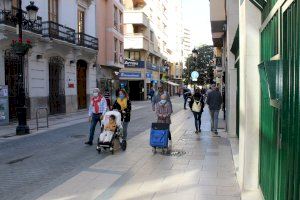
pixel 130 75
pixel 134 63
pixel 152 67
pixel 149 75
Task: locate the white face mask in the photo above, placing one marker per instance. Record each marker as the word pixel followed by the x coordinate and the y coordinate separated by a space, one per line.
pixel 95 94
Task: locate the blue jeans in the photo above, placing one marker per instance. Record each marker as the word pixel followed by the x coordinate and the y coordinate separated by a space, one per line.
pixel 95 119
pixel 125 126
pixel 214 114
pixel 197 116
pixel 184 105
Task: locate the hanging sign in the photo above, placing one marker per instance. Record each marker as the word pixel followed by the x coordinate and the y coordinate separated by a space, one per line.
pixel 194 75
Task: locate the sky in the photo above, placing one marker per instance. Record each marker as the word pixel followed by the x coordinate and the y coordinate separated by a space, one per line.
pixel 196 17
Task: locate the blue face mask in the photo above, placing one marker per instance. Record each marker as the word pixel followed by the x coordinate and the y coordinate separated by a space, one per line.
pixel 122 96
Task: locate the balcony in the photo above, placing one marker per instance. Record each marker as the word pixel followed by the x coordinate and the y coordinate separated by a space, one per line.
pixel 136 17
pixel 9 17
pixel 136 41
pixel 87 41
pixel 57 31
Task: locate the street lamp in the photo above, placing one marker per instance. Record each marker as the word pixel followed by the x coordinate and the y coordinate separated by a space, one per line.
pixel 194 53
pixel 22 127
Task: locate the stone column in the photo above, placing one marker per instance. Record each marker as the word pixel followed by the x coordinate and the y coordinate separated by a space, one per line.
pixel 250 23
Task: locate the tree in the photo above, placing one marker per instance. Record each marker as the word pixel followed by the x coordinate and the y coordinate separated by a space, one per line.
pixel 202 64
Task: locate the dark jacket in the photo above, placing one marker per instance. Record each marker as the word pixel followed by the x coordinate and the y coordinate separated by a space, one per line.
pixel 214 100
pixel 125 116
pixel 197 97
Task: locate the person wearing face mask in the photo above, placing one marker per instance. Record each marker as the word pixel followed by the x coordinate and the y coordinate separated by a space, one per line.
pixel 163 112
pixel 123 105
pixel 157 96
pixel 97 109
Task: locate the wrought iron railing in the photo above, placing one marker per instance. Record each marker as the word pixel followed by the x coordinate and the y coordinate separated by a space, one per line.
pixel 58 31
pixel 9 17
pixel 87 41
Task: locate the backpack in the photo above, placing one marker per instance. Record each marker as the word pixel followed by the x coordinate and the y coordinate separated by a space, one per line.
pixel 196 107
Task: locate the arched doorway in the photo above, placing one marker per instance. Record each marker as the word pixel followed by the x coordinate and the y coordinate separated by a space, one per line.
pixel 12 64
pixel 81 84
pixel 56 85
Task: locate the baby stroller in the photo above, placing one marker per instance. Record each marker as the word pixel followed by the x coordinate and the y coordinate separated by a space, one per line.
pixel 117 135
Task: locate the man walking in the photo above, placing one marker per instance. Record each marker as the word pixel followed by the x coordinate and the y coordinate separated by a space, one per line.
pixel 186 94
pixel 97 109
pixel 214 101
pixel 157 96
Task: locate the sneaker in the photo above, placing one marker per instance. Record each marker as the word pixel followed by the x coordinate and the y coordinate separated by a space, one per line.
pixel 89 143
pixel 196 132
pixel 216 132
pixel 170 145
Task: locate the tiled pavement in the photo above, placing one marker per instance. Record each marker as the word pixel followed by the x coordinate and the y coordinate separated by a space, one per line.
pixel 204 170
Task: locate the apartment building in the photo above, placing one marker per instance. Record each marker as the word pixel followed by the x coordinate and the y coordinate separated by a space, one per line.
pixel 109 18
pixel 186 42
pixel 146 46
pixel 60 67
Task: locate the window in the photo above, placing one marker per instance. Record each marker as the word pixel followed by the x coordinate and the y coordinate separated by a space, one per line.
pixel 80 23
pixel 132 55
pixel 121 52
pixel 116 17
pixel 53 10
pixel 121 21
pixel 151 36
pixel 115 50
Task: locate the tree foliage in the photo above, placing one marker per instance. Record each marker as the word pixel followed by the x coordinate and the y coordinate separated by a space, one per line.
pixel 202 64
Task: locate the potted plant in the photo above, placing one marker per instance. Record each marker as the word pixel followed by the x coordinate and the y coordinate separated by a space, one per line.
pixel 20 47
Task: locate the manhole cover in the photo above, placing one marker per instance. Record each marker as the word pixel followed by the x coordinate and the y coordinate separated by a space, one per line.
pixel 78 136
pixel 175 152
pixel 18 160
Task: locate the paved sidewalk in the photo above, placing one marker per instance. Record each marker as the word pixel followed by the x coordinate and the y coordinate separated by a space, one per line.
pixel 55 121
pixel 204 170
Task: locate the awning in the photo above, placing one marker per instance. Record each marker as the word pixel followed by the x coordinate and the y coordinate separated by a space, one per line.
pixel 172 83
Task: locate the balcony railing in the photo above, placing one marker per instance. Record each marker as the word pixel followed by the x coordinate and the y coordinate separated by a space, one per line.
pixel 9 17
pixel 87 41
pixel 58 31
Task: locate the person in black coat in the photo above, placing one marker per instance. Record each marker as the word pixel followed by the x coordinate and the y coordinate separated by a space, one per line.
pixel 123 105
pixel 197 106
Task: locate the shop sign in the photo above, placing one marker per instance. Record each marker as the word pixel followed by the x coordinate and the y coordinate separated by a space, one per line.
pixel 4 111
pixel 130 75
pixel 152 67
pixel 149 75
pixel 134 63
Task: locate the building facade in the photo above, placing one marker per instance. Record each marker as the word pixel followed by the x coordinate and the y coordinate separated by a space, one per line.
pixel 109 18
pixel 146 46
pixel 187 45
pixel 59 68
pixel 261 49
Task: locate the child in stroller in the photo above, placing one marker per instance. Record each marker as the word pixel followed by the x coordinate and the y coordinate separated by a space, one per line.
pixel 111 131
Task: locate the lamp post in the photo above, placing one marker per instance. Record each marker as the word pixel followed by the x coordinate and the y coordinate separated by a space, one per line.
pixel 22 127
pixel 195 55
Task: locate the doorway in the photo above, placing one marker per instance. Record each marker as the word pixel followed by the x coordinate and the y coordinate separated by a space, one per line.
pixel 12 63
pixel 81 84
pixel 56 85
pixel 136 90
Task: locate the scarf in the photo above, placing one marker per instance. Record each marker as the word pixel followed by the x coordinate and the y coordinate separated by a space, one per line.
pixel 122 103
pixel 95 102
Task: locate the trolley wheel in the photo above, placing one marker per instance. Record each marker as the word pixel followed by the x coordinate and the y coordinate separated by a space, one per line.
pixel 154 150
pixel 124 145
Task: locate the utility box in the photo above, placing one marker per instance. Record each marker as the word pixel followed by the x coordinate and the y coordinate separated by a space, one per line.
pixel 4 111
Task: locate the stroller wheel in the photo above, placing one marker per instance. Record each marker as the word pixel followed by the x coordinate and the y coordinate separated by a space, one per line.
pixel 123 145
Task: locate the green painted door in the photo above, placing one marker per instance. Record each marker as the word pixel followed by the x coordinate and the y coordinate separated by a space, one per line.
pixel 289 165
